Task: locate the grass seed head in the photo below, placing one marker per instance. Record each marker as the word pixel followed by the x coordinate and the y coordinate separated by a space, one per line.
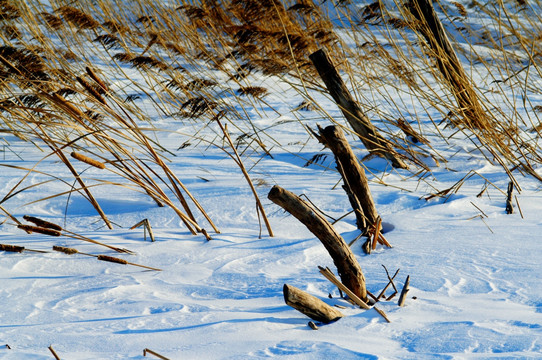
pixel 42 223
pixel 65 250
pixel 39 230
pixel 87 160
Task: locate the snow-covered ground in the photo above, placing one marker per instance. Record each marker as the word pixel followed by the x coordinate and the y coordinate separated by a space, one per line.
pixel 475 290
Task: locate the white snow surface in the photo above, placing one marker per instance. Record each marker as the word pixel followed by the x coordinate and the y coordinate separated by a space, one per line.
pixel 475 290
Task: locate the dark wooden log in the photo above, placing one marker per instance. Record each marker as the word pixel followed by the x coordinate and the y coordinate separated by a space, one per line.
pixel 360 123
pixel 347 265
pixel 448 63
pixel 509 204
pixel 309 305
pixel 351 170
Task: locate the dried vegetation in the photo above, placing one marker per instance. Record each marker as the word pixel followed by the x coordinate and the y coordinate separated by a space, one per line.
pixel 203 61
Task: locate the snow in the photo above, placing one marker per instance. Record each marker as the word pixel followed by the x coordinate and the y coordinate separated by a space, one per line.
pixel 475 290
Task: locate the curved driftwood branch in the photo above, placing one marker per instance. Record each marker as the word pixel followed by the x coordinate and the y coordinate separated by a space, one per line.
pixel 347 265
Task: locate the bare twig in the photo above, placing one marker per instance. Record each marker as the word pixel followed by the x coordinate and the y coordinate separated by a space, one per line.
pixel 149 351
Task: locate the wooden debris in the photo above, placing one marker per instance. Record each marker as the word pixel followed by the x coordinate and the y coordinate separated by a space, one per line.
pixel 347 264
pixel 356 184
pixel 331 277
pixel 310 305
pixel 360 123
pixel 312 325
pixel 402 297
pixel 149 351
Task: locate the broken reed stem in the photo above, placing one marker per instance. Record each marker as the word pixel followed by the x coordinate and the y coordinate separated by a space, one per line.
pixel 66 105
pixel 83 238
pixel 146 227
pixel 72 251
pixel 519 207
pixel 145 351
pixel 333 279
pixel 42 223
pixel 53 352
pixel 12 217
pixel 310 305
pixel 124 262
pixel 378 227
pixel 239 163
pixel 88 160
pixel 390 282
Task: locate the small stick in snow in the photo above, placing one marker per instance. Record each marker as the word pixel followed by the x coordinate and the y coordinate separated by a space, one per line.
pixel 147 227
pixel 53 352
pixel 390 282
pixel 312 325
pixel 8 347
pixel 378 226
pixel 84 238
pixel 509 205
pixel 333 279
pixel 519 207
pixel 145 351
pixel 402 297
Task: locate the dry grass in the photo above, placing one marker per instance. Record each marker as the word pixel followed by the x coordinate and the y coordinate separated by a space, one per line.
pixel 199 62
